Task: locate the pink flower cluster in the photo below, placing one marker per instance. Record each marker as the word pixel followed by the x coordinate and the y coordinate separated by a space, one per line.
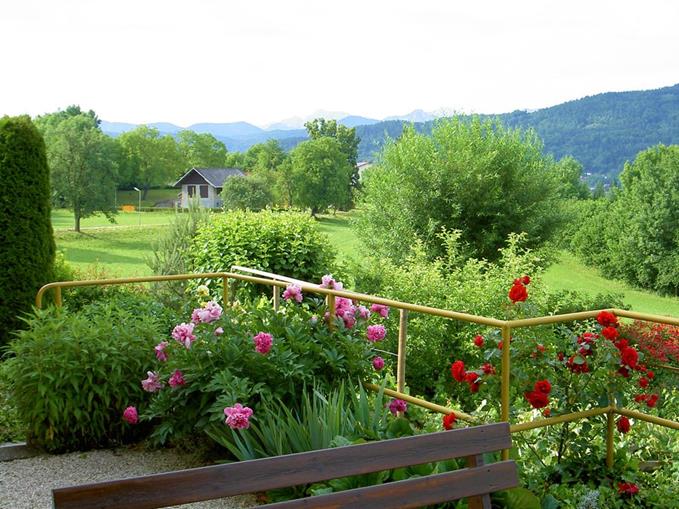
pixel 293 292
pixel 210 312
pixel 152 383
pixel 376 332
pixel 176 379
pixel 160 351
pixel 327 281
pixel 183 333
pixel 238 416
pixel 397 405
pixel 263 342
pixel 130 415
pixel 380 309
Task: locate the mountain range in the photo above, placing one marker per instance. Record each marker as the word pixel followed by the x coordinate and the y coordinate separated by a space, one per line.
pixel 601 131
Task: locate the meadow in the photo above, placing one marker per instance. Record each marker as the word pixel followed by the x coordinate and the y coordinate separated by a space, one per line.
pixel 121 250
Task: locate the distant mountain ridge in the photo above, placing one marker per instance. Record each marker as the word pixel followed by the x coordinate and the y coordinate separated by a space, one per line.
pixel 601 131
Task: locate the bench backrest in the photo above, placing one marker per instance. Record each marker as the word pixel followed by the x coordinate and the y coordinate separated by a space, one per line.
pixel 207 483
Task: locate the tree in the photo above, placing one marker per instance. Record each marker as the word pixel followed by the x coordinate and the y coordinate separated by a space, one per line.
pixel 347 139
pixel 318 174
pixel 83 171
pixel 155 160
pixel 569 174
pixel 476 177
pixel 201 150
pixel 26 238
pixel 267 156
pixel 246 193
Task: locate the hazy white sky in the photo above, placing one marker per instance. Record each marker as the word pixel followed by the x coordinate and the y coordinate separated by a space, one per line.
pixel 260 61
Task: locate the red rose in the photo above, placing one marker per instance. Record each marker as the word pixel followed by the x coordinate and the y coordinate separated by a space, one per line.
pixel 540 348
pixel 643 382
pixel 587 337
pixel 652 400
pixel 546 412
pixel 623 371
pixel 623 424
pixel 621 344
pixel 610 333
pixel 449 421
pixel 650 374
pixel 543 386
pixel 525 280
pixel 640 397
pixel 585 351
pixel 457 371
pixel 518 293
pixel 537 399
pixel 629 356
pixel 577 367
pixel 471 378
pixel 560 356
pixel 627 488
pixel 478 340
pixel 488 369
pixel 607 319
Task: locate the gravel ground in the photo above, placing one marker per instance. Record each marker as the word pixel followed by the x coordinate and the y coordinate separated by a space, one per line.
pixel 27 483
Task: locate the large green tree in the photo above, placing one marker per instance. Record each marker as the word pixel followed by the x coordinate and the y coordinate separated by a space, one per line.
pixel 201 150
pixel 82 162
pixel 476 177
pixel 318 175
pixel 26 238
pixel 154 160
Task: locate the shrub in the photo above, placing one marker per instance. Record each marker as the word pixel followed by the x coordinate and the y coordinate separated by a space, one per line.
pixel 246 353
pixel 73 374
pixel 285 243
pixel 246 193
pixel 26 239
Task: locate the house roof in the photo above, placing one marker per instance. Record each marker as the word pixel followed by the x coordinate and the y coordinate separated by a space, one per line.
pixel 213 176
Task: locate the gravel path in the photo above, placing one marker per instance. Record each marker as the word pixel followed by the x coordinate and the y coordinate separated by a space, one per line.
pixel 27 483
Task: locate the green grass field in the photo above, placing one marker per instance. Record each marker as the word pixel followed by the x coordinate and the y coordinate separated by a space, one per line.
pixel 121 250
pixel 153 196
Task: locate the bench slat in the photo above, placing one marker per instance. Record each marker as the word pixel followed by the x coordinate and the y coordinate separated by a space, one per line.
pixel 416 492
pixel 193 485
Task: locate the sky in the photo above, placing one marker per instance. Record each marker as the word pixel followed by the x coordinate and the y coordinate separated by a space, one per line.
pixel 263 61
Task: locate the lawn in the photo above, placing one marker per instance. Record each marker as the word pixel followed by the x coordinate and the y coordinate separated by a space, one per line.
pixel 62 219
pixel 338 228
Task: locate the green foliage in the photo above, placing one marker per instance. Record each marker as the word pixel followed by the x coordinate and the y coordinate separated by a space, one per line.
pixel 201 150
pixel 633 235
pixel 26 241
pixel 72 375
pixel 81 159
pixel 221 370
pixel 11 429
pixel 246 193
pixel 286 243
pixel 476 177
pixel 318 175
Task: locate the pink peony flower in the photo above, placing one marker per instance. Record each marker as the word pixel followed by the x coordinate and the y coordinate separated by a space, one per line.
pixel 176 379
pixel 378 363
pixel 363 312
pixel 349 319
pixel 376 332
pixel 210 312
pixel 130 415
pixel 381 310
pixel 219 331
pixel 238 416
pixel 183 333
pixel 327 281
pixel 397 405
pixel 293 292
pixel 160 351
pixel 263 342
pixel 343 305
pixel 152 383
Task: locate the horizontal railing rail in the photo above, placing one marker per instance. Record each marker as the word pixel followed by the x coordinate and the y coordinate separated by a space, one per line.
pixel 277 282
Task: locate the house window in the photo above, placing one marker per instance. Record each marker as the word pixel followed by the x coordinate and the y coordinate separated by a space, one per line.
pixel 191 190
pixel 203 192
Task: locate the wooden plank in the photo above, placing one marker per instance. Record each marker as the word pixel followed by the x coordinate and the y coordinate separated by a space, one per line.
pixel 479 501
pixel 416 492
pixel 231 479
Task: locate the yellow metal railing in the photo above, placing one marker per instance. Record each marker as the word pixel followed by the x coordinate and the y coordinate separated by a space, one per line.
pixel 505 326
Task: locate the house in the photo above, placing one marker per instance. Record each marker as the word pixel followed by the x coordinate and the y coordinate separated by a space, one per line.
pixel 204 185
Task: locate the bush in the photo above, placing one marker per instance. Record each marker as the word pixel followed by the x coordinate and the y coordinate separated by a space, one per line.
pixel 246 193
pixel 285 243
pixel 26 239
pixel 72 375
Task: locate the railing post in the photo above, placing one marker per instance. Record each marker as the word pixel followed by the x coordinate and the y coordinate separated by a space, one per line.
pixel 504 394
pixel 225 292
pixel 57 297
pixel 276 297
pixel 610 429
pixel 331 311
pixel 401 363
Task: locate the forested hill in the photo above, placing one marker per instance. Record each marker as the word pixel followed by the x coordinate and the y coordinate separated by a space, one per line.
pixel 601 131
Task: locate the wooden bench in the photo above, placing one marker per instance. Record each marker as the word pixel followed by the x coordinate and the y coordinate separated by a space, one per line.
pixel 475 482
